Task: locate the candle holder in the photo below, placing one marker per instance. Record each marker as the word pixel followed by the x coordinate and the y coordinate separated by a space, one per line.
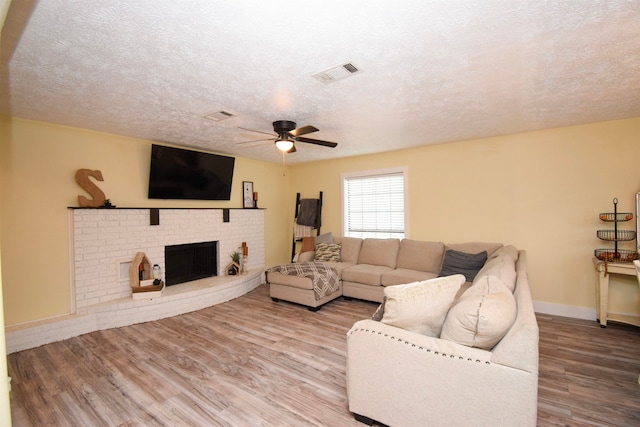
pixel 243 269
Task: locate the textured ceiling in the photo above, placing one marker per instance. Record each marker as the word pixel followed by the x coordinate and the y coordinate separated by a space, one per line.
pixel 432 71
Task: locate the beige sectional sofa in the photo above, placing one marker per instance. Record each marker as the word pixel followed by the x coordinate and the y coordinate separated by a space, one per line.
pixel 440 351
pixel 366 266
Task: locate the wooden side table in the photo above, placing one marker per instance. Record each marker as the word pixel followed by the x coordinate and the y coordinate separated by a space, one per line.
pixel 603 270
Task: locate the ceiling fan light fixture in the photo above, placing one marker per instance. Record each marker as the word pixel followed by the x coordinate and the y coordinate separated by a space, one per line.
pixel 284 144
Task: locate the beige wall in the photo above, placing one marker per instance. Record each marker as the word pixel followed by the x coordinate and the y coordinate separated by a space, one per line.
pixel 540 191
pixel 38 164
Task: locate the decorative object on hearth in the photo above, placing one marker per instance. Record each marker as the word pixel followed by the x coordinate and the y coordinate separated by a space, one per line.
pixel 82 178
pixel 243 262
pixel 233 268
pixel 144 284
pixel 157 272
pixel 139 270
pixel 247 194
pixel 616 236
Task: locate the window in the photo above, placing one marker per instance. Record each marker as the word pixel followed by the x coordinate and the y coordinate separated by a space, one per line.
pixel 374 203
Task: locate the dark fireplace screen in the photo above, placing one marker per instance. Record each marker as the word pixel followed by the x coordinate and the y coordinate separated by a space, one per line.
pixel 191 261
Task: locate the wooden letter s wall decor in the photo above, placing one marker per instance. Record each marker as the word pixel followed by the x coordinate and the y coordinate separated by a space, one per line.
pixel 82 178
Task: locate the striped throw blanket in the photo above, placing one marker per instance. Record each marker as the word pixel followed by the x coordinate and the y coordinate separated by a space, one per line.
pixel 324 278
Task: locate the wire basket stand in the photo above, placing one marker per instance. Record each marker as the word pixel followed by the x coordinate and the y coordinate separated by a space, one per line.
pixel 616 236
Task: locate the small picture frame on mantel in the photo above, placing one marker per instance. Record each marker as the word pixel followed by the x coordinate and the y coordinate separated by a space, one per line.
pixel 247 194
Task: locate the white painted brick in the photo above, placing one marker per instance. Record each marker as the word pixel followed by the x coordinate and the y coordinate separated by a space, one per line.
pixel 102 238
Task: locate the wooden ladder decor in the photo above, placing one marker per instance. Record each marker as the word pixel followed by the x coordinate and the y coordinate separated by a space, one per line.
pixel 318 221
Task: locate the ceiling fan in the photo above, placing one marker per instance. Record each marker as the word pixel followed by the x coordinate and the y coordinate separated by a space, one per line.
pixel 287 135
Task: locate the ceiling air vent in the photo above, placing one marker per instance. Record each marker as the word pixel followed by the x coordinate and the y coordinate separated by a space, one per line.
pixel 337 73
pixel 218 116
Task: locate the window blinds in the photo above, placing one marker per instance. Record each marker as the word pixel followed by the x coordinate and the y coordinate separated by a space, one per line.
pixel 375 206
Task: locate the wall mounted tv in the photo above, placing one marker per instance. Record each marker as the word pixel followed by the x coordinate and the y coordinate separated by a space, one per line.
pixel 177 173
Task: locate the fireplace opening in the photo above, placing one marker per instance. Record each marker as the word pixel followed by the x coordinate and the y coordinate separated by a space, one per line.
pixel 190 261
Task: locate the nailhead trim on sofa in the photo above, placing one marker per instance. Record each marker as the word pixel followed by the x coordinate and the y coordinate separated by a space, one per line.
pixel 437 353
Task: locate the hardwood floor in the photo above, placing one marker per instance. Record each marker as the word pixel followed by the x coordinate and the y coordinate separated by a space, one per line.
pixel 588 375
pixel 252 362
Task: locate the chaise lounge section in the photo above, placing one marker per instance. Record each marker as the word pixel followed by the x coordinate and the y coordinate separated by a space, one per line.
pixel 300 289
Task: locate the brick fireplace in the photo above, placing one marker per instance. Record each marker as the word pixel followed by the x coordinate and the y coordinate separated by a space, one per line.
pixel 103 243
pixel 106 240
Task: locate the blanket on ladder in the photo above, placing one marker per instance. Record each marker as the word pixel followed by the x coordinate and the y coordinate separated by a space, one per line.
pixel 324 278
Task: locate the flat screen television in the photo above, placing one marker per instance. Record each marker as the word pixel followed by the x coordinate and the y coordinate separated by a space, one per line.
pixel 177 173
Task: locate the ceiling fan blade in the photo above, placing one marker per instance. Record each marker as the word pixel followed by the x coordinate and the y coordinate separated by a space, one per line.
pixel 303 130
pixel 258 131
pixel 317 142
pixel 255 140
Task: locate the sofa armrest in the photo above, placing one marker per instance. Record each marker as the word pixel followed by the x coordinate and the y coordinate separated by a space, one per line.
pixel 519 347
pixel 370 332
pixel 399 377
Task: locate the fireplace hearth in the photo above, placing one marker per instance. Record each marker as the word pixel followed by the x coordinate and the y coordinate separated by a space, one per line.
pixel 190 261
pixel 102 245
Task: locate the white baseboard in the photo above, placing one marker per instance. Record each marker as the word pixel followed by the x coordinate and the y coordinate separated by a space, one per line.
pixel 587 313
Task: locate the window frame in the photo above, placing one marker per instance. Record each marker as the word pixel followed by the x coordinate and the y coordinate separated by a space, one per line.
pixel 403 170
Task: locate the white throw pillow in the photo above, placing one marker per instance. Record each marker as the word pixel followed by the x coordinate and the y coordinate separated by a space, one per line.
pixel 421 306
pixel 482 315
pixel 307 256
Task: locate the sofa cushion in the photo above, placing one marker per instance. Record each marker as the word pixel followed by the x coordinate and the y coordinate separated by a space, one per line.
pixel 501 266
pixel 401 276
pixel 305 256
pixel 482 315
pixel 456 262
pixel 379 252
pixel 350 248
pixel 289 280
pixel 366 274
pixel 474 247
pixel 421 306
pixel 421 256
pixel 324 238
pixel 509 251
pixel 327 252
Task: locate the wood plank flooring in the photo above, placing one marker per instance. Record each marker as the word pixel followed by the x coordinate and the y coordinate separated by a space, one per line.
pixel 588 375
pixel 252 362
